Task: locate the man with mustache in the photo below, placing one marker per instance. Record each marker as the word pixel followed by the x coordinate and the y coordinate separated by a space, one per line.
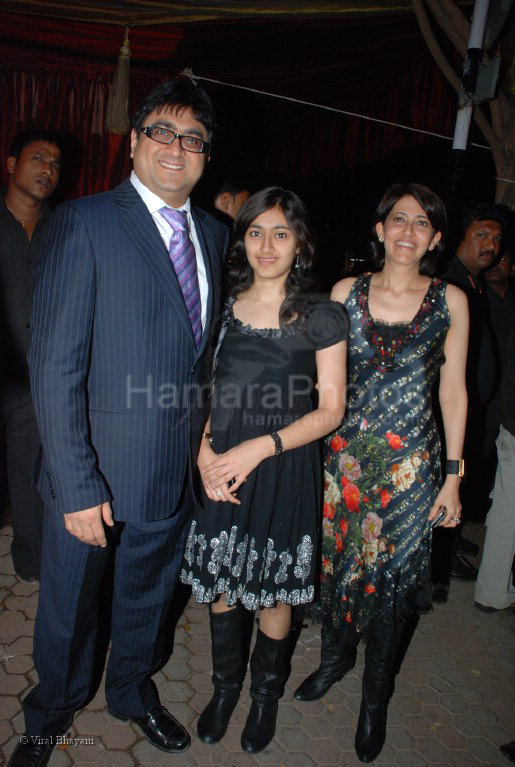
pixel 483 225
pixel 33 167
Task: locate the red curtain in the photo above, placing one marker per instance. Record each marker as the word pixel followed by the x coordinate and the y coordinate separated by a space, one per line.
pixel 57 74
pixel 73 102
pixel 416 96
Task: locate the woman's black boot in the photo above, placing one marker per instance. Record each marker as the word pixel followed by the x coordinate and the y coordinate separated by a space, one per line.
pixel 226 648
pixel 337 658
pixel 267 667
pixel 377 688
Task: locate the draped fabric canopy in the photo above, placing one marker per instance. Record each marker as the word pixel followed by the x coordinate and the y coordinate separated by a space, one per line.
pixel 57 73
pixel 141 12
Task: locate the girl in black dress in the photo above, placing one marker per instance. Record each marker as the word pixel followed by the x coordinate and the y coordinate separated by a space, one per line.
pixel 253 544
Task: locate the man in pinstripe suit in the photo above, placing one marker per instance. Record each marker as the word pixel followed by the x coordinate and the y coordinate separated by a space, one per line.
pixel 118 378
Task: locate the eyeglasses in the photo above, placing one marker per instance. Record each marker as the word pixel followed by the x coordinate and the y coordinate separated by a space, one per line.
pixel 167 136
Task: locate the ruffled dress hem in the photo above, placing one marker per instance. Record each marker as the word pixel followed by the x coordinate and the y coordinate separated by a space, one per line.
pixel 205 595
pixel 399 593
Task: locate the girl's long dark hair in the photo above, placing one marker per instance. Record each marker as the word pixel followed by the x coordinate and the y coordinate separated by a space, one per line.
pixel 299 283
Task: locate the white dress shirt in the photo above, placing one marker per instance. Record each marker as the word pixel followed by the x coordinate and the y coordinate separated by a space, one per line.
pixel 154 203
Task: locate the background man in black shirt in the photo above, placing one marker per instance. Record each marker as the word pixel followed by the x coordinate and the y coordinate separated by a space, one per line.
pixel 482 228
pixel 33 165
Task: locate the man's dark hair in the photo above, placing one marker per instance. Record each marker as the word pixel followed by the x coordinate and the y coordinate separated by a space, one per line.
pixel 231 187
pixel 432 206
pixel 299 282
pixel 28 137
pixel 482 211
pixel 181 93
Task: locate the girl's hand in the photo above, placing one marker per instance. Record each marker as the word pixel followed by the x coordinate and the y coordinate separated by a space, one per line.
pixel 223 476
pixel 206 456
pixel 449 499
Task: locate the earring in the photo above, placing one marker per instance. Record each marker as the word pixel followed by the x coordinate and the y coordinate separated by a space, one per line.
pixel 380 237
pixel 431 247
pixel 296 263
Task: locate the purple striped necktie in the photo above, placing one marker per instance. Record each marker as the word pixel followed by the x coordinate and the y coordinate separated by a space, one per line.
pixel 182 255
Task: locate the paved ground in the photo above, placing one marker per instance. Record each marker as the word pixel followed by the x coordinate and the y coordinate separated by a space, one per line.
pixel 454 700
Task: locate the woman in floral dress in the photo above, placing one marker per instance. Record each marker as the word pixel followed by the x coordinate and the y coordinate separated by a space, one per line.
pixel 382 466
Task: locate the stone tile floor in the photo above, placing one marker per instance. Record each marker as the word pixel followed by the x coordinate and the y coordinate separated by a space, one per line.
pixel 454 699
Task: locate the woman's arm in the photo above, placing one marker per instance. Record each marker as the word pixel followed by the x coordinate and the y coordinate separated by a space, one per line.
pixel 341 289
pixel 453 400
pixel 236 464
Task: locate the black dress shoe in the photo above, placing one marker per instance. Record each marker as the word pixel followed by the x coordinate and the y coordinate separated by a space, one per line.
pixel 28 578
pixel 464 546
pixel 509 750
pixel 31 754
pixel 462 570
pixel 486 608
pixel 160 728
pixel 35 751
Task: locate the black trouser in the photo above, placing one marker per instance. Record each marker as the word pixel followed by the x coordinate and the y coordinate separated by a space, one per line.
pixel 22 446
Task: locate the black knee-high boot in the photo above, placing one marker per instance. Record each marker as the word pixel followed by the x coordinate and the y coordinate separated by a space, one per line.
pixel 380 656
pixel 337 658
pixel 267 667
pixel 226 648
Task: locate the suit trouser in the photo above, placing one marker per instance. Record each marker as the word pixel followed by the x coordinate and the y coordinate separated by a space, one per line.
pixel 494 586
pixel 22 446
pixel 148 557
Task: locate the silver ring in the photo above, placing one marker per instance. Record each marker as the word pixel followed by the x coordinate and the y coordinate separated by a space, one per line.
pixel 456 519
pixel 219 493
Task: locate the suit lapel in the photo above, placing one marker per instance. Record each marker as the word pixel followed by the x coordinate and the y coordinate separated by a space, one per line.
pixel 204 239
pixel 145 236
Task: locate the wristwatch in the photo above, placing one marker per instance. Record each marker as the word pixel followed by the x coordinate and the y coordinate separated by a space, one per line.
pixel 456 467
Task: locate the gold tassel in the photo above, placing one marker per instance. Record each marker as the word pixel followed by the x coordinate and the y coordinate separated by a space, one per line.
pixel 117 115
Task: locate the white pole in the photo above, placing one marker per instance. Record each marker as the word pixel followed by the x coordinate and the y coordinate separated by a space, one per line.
pixel 461 129
pixel 469 81
pixel 477 28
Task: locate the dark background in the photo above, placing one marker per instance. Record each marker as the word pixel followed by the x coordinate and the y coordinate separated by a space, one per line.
pixel 56 73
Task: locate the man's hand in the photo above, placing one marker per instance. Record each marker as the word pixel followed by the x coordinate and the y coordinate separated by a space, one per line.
pixel 87 525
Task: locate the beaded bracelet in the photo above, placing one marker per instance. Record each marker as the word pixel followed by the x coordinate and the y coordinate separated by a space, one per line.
pixel 277 442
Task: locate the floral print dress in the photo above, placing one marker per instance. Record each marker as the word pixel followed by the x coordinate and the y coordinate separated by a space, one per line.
pixel 382 467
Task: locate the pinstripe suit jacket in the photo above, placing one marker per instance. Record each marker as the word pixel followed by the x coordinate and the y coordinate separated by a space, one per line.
pixel 118 385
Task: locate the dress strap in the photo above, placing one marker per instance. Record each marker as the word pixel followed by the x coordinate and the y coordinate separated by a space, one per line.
pixel 226 321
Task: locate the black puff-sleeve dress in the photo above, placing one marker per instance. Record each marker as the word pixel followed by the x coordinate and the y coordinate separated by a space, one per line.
pixel 265 549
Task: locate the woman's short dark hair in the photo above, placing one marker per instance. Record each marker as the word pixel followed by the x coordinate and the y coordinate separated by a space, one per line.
pixel 299 282
pixel 181 93
pixel 432 206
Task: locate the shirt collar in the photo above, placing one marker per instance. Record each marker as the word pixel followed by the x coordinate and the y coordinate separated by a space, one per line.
pixel 151 200
pixel 45 207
